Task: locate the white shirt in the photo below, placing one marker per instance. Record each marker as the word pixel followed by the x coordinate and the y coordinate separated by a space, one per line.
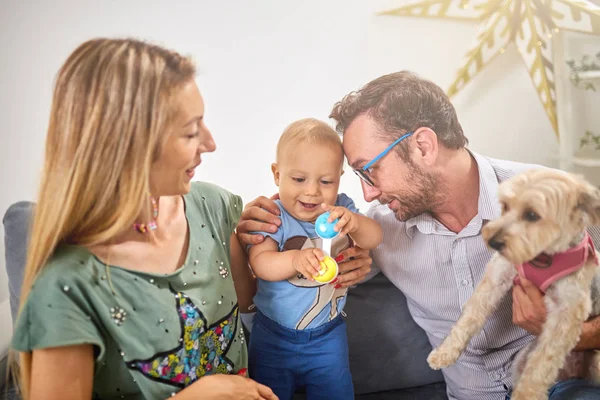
pixel 437 270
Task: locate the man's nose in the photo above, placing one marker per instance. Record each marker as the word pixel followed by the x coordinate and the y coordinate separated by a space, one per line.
pixel 370 192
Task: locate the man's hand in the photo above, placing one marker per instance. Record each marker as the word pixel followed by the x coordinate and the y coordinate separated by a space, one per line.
pixel 529 309
pixel 260 214
pixel 354 270
pixel 529 312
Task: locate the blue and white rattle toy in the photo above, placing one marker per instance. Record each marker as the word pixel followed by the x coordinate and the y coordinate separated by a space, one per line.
pixel 325 229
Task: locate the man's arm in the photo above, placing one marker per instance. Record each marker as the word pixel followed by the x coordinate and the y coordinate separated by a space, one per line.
pixel 529 312
pixel 260 215
pixel 529 309
pixel 590 336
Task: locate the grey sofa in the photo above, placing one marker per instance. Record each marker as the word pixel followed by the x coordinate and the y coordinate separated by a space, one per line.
pixel 387 349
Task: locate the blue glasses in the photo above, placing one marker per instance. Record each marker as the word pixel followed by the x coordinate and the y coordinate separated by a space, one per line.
pixel 363 173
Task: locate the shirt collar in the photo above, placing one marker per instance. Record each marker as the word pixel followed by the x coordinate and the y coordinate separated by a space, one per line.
pixel 488 206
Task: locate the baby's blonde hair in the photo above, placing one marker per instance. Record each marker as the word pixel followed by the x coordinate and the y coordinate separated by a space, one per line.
pixel 309 130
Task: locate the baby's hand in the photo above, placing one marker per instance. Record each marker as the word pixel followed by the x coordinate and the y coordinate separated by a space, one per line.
pixel 307 262
pixel 348 222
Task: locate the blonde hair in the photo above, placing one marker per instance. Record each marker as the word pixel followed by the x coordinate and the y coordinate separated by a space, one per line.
pixel 308 130
pixel 110 116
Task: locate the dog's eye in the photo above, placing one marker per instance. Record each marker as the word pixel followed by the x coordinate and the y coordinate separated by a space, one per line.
pixel 504 208
pixel 531 216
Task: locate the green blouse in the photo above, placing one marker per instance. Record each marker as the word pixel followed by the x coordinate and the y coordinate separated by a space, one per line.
pixel 156 334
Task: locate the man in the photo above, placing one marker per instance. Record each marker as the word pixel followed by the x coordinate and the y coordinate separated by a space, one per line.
pixel 432 195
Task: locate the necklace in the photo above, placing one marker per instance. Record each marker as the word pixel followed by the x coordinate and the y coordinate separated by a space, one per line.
pixel 150 226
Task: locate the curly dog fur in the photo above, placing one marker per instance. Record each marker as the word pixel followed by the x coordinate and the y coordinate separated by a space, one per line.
pixel 544 211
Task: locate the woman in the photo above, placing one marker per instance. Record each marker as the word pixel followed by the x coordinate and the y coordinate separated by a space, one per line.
pixel 134 273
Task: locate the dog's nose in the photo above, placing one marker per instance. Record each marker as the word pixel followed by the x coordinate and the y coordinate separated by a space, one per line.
pixel 496 243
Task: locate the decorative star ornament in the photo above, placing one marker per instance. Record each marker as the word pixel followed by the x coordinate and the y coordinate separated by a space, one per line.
pixel 530 24
pixel 202 349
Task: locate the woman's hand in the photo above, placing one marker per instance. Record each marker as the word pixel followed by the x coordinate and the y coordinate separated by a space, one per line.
pixel 226 387
pixel 355 265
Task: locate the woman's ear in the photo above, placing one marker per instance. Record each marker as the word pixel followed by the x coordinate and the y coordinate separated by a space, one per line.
pixel 275 171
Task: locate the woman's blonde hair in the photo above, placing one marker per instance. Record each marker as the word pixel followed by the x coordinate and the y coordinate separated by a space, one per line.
pixel 111 110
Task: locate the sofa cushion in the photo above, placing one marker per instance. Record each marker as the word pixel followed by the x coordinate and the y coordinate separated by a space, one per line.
pixel 5 338
pixel 388 350
pixel 16 231
pixel 434 391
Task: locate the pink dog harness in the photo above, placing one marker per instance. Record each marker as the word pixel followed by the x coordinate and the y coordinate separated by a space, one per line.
pixel 546 269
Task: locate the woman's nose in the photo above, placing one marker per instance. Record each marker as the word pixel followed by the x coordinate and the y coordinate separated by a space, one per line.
pixel 207 145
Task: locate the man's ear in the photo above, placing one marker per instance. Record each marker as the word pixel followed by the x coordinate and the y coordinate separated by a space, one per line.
pixel 589 202
pixel 275 173
pixel 426 145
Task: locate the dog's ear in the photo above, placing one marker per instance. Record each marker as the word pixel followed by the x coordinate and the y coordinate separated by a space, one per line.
pixel 589 202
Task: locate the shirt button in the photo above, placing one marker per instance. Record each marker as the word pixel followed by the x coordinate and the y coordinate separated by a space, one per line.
pixel 497 376
pixel 464 282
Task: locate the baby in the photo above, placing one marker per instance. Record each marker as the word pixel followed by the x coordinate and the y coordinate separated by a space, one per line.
pixel 298 335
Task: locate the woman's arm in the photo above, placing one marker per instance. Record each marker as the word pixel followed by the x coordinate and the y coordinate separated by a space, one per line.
pixel 244 281
pixel 225 387
pixel 65 373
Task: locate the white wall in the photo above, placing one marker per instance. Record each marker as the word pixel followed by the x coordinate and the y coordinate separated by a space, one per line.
pixel 263 64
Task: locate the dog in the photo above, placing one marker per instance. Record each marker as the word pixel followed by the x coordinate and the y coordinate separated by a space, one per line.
pixel 542 235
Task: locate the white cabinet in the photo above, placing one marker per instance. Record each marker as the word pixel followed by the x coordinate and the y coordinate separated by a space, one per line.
pixel 578 110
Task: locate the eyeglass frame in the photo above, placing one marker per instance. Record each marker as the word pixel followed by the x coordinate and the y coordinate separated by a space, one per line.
pixel 363 173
